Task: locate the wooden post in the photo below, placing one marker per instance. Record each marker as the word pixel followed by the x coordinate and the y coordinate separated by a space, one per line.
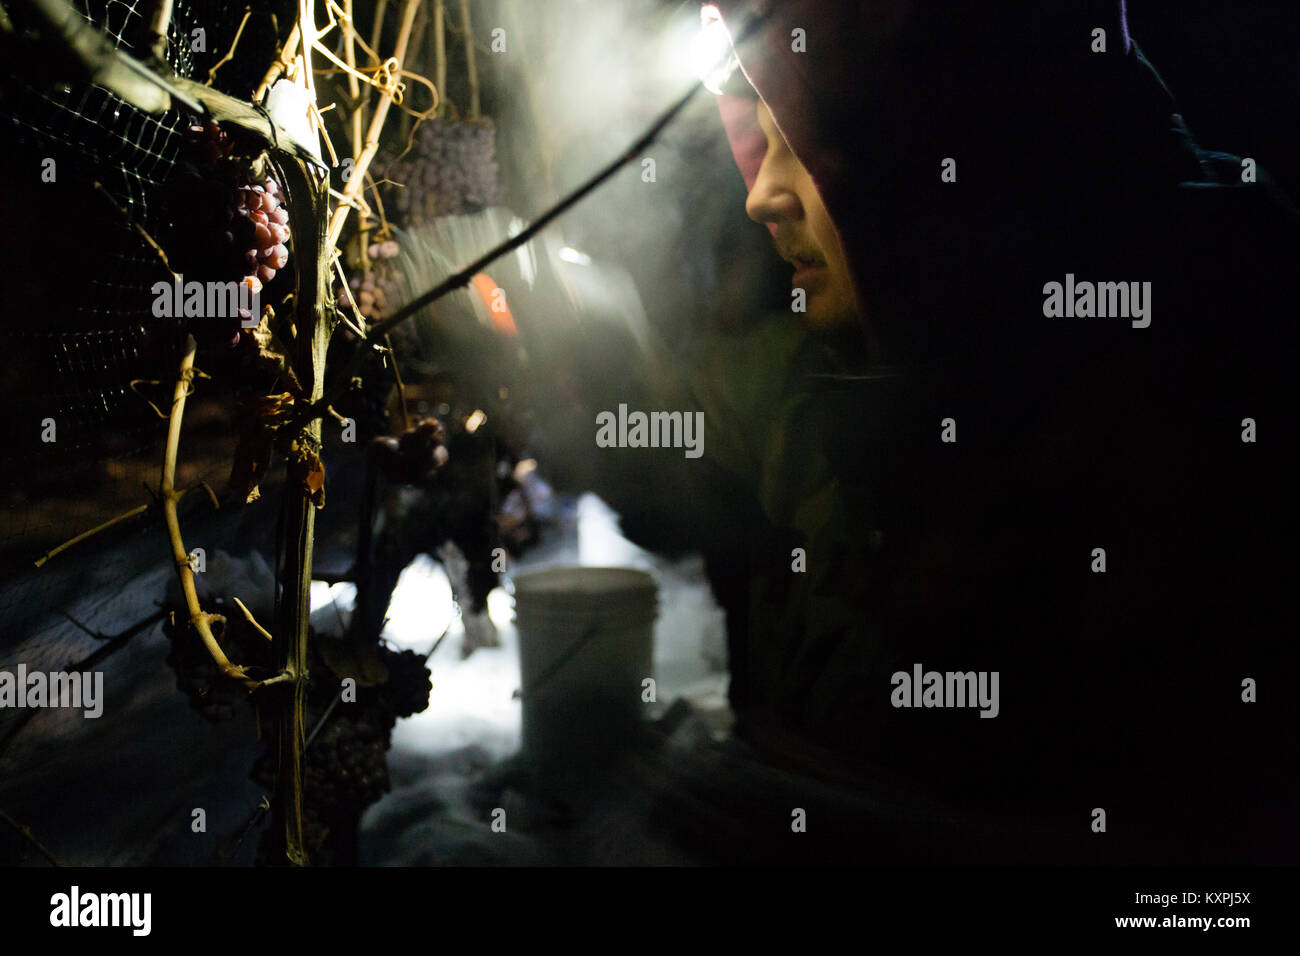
pixel 290 650
pixel 306 193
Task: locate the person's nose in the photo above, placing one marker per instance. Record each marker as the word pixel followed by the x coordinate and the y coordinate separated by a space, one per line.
pixel 773 200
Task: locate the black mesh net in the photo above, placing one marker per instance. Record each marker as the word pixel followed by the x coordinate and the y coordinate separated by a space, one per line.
pixel 81 353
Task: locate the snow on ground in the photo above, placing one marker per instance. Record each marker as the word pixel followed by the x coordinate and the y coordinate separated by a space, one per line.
pixel 473 719
pixel 472 701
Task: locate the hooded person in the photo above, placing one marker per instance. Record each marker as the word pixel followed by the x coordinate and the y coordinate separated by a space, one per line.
pixel 1067 321
pixel 1000 516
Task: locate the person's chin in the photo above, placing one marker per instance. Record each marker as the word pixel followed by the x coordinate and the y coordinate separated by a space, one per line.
pixel 822 316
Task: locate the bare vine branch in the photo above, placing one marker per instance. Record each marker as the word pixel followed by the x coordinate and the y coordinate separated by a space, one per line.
pixel 201 620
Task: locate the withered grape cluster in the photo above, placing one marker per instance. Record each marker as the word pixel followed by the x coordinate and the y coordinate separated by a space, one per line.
pixel 345 768
pixel 450 171
pixel 212 694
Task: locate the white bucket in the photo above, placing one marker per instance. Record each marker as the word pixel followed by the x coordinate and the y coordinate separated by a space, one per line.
pixel 586 644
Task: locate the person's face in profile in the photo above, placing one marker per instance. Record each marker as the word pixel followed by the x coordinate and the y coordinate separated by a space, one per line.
pixel 785 197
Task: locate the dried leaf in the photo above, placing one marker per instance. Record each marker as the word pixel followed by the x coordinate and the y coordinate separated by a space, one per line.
pixel 256 420
pixel 272 353
pixel 252 459
pixel 306 469
pixel 345 658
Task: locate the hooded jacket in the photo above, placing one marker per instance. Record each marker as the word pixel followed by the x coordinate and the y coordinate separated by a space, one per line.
pixel 1087 507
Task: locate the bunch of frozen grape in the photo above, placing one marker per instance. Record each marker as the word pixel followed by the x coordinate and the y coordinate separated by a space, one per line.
pixel 415 456
pixel 377 293
pixel 233 225
pixel 344 771
pixel 407 689
pixel 371 296
pixel 260 226
pixel 382 250
pixel 212 694
pixel 345 767
pixel 450 171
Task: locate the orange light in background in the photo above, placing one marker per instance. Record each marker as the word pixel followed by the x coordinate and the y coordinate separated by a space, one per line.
pixel 498 309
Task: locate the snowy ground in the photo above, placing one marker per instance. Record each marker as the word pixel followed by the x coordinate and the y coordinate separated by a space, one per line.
pixel 472 725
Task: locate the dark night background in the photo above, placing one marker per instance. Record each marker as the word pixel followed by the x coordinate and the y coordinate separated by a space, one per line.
pixel 1232 69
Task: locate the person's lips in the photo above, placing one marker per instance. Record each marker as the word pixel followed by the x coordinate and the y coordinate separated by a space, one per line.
pixel 807 261
pixel 806 269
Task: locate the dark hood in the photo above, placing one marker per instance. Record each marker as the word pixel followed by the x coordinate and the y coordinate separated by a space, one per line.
pixel 1064 156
